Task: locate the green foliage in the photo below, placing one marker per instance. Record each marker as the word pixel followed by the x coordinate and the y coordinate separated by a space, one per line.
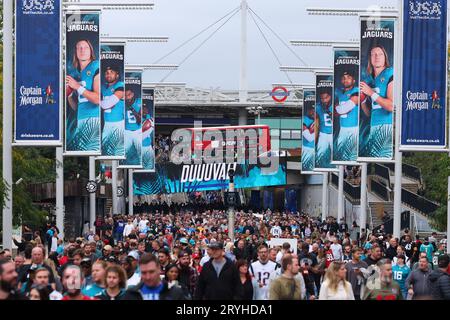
pixel 435 169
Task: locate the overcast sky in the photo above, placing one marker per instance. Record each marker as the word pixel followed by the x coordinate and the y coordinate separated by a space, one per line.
pixel 217 62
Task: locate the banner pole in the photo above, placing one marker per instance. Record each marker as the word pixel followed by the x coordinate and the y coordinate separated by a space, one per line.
pixel 8 46
pixel 60 191
pixel 130 193
pixel 341 194
pixel 398 111
pixel 243 85
pixel 363 196
pixel 325 197
pixel 114 187
pixel 92 205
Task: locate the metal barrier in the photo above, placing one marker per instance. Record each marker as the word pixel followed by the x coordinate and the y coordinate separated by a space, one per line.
pixel 382 171
pixel 419 203
pixel 379 189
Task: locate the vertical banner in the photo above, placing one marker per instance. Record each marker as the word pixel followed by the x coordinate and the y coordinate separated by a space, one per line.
pixel 133 120
pixel 83 136
pixel 148 130
pixel 346 106
pixel 113 101
pixel 376 118
pixel 424 86
pixel 38 74
pixel 308 131
pixel 324 123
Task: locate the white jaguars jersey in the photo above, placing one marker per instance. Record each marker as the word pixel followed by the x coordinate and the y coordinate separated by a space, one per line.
pixel 262 274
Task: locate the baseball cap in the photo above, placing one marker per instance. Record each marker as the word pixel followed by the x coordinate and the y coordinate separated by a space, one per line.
pixel 133 254
pixel 215 245
pixel 184 241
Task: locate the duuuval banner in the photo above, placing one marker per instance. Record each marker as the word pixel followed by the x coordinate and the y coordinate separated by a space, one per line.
pixel 308 131
pixel 376 117
pixel 148 130
pixel 424 86
pixel 346 106
pixel 113 101
pixel 133 120
pixel 324 123
pixel 83 123
pixel 38 73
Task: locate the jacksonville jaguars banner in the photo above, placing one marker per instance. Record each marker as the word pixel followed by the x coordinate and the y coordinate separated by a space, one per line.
pixel 424 86
pixel 376 116
pixel 83 122
pixel 308 131
pixel 324 123
pixel 133 120
pixel 346 106
pixel 38 73
pixel 174 178
pixel 113 101
pixel 148 130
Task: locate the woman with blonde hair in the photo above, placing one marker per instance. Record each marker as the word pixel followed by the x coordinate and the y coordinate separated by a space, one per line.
pixel 335 287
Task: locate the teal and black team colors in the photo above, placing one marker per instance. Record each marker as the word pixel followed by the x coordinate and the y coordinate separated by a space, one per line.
pixel 38 62
pixel 376 90
pixel 113 101
pixel 133 120
pixel 83 84
pixel 425 59
pixel 324 122
pixel 346 106
pixel 308 131
pixel 148 130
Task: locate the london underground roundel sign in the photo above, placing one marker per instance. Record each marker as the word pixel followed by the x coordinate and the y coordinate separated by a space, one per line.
pixel 279 94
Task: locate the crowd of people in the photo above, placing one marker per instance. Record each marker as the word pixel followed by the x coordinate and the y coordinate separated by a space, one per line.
pixel 188 254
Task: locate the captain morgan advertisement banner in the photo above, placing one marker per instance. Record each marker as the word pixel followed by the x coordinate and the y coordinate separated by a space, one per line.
pixel 83 124
pixel 324 123
pixel 308 131
pixel 346 106
pixel 424 92
pixel 148 130
pixel 376 117
pixel 133 120
pixel 113 101
pixel 38 73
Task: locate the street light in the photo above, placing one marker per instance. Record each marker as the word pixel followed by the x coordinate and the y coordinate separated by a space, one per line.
pixel 257 111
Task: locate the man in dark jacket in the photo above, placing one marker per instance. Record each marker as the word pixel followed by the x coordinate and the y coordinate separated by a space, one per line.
pixel 151 287
pixel 418 281
pixel 440 280
pixel 219 279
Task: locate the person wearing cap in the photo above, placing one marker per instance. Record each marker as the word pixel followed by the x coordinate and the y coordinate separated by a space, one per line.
pixel 107 250
pixel 400 272
pixel 219 279
pixel 130 263
pixel 188 275
pixel 440 279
